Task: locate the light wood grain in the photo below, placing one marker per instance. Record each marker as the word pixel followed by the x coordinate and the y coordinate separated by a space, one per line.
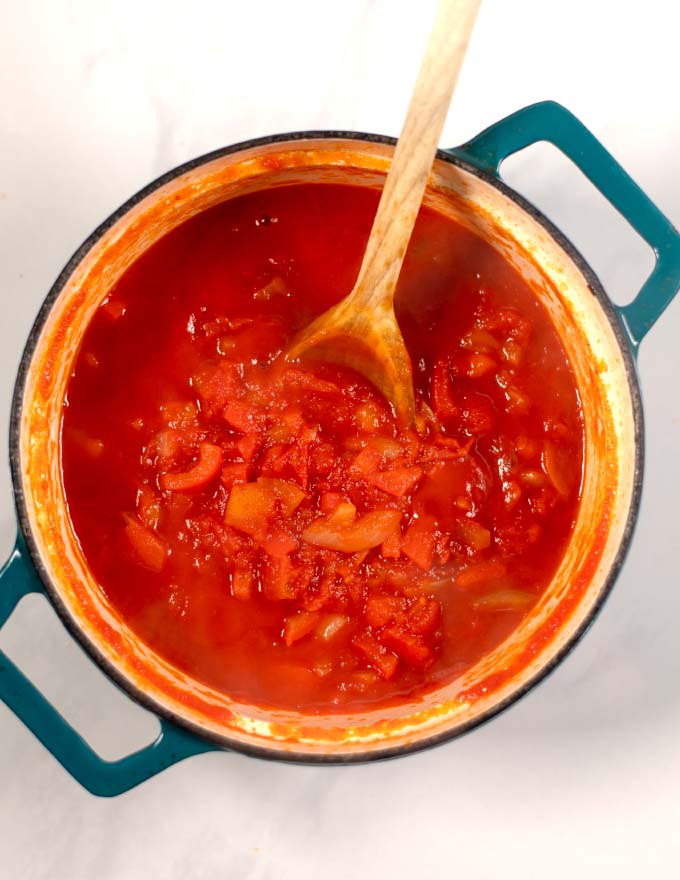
pixel 361 331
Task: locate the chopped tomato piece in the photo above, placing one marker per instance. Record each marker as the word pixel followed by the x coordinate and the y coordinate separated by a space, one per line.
pixel 367 461
pixel 148 507
pixel 424 615
pixel 411 648
pixel 381 610
pixel 250 508
pixel 248 446
pixel 216 387
pixel 479 340
pixel 274 459
pixel 316 596
pixel 151 550
pixel 322 458
pixel 280 543
pixel 166 444
pixel 369 416
pixel 200 475
pixel 289 426
pixel 239 414
pixel 279 580
pixel 180 414
pixel 388 448
pixel 377 655
pixel 397 482
pixel 287 494
pixel 330 500
pixel 526 447
pixel 242 583
pixel 474 365
pixel 512 494
pixel 299 625
pixel 442 398
pixel 419 541
pixel 292 461
pixel 391 547
pixel 476 412
pixel 509 321
pixel 367 531
pixel 516 401
pixel 236 472
pixel 472 534
pixel 177 506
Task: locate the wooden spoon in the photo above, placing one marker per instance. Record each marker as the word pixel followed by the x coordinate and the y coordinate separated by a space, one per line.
pixel 361 331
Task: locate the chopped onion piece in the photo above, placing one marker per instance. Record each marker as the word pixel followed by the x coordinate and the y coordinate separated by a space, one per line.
pixel 367 531
pixel 505 600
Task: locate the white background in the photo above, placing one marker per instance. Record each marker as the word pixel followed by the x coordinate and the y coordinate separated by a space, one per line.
pixel 582 777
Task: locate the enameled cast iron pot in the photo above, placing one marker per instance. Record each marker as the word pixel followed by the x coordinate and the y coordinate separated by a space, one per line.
pixel 600 339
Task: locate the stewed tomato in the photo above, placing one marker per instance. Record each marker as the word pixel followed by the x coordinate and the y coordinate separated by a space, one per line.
pixel 268 526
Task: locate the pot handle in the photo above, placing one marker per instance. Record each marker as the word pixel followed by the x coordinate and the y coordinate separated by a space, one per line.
pixel 18 578
pixel 549 121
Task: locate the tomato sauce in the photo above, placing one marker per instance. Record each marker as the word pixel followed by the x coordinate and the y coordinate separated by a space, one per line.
pixel 268 527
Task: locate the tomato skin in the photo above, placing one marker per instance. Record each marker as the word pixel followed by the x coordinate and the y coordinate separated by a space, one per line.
pixel 419 541
pixel 203 472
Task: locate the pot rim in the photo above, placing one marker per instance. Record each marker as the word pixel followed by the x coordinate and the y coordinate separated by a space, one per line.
pixel 368 755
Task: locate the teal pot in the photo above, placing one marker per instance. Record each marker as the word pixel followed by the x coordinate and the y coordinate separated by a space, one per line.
pixel 600 338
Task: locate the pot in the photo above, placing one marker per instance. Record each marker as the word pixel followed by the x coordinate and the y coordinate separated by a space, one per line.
pixel 600 339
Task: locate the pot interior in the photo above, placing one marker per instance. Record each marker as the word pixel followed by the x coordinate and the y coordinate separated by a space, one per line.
pixel 610 461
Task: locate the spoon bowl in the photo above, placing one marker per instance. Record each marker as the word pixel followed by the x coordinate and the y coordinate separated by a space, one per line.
pixel 362 331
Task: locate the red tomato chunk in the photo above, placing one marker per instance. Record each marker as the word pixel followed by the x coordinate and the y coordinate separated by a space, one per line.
pixel 268 527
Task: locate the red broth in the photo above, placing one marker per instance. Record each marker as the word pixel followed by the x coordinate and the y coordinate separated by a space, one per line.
pixel 267 527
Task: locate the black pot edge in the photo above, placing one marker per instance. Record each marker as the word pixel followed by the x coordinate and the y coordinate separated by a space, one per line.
pixel 225 742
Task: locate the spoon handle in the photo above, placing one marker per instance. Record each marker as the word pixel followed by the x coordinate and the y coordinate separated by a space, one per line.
pixel 414 153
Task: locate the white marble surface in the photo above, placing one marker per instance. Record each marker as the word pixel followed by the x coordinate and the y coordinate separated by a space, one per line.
pixel 579 779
